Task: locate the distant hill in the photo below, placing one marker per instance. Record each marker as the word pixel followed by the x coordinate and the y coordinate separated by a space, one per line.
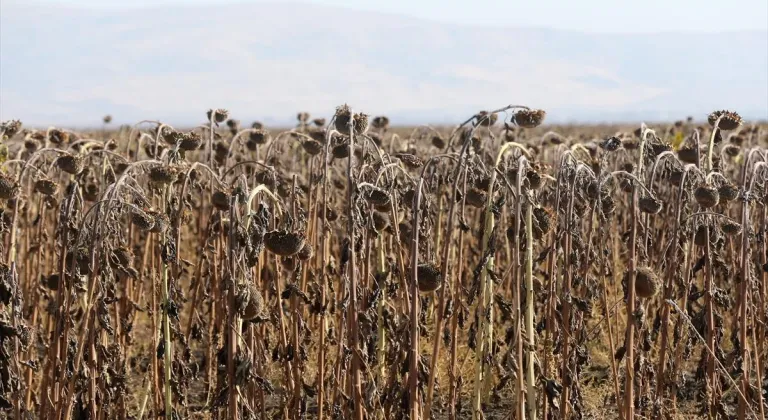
pixel 70 66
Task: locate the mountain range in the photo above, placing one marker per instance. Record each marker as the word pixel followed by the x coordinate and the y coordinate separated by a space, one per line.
pixel 69 66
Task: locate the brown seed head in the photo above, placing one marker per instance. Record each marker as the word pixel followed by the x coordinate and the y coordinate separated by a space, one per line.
pixel 46 186
pixel 476 198
pixel 409 160
pixel 312 147
pixel 344 117
pixel 70 164
pixel 529 118
pixel 10 128
pixel 220 200
pixel 57 136
pixel 688 155
pixel 266 177
pixel 700 237
pixel 380 122
pixel 728 192
pixel 429 277
pixel 376 196
pixel 738 139
pixel 163 175
pixel 731 228
pixel 306 252
pixel 249 302
pixel 485 119
pixel 317 134
pixel 380 221
pixel 283 242
pixel 533 179
pixel 646 283
pixel 611 144
pixel 161 222
pixel 8 187
pixel 731 150
pixel 31 145
pixel 707 196
pixel 649 205
pixel 340 151
pixel 219 115
pixel 729 120
pixel 607 205
pixel 143 220
pixel 91 192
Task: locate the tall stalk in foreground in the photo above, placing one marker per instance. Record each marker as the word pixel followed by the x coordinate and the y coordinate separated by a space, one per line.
pixel 529 307
pixel 168 353
pixel 485 305
pixel 744 290
pixel 629 340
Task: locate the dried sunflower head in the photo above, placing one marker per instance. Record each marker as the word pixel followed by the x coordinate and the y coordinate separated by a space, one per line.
pixel 728 192
pixel 485 119
pixel 249 302
pixel 190 141
pixel 649 205
pixel 344 117
pixel 163 175
pixel 380 122
pixel 707 196
pixel 409 160
pixel 380 221
pixel 161 222
pixel 46 186
pixel 731 228
pixel 646 283
pixel 688 155
pixel 220 200
pixel 8 187
pixel 306 252
pixel 476 198
pixel 729 120
pixel 10 128
pixel 429 277
pixel 340 151
pixel 376 196
pixel 283 242
pixel 529 118
pixel 57 136
pixel 217 115
pixel 143 220
pixel 259 136
pixel 312 147
pixel 70 164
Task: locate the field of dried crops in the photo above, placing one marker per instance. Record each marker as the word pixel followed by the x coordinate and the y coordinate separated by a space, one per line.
pixel 346 268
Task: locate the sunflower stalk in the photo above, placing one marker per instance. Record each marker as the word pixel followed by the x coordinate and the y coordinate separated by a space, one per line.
pixel 485 305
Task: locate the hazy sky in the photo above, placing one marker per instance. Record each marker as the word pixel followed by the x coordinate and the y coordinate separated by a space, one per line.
pixel 416 61
pixel 585 15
